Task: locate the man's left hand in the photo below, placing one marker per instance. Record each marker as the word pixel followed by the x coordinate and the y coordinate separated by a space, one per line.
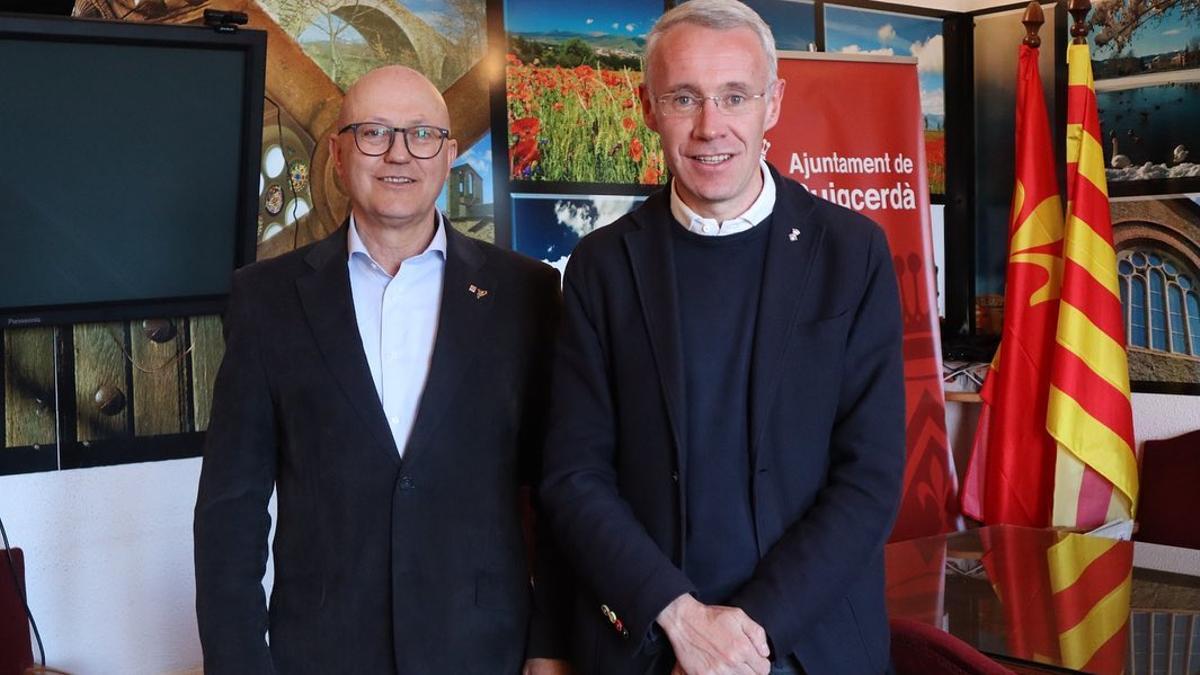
pixel 546 667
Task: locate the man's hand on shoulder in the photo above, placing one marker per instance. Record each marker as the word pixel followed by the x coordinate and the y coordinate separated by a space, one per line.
pixel 714 640
pixel 546 667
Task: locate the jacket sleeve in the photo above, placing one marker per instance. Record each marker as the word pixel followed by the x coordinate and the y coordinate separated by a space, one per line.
pixel 550 619
pixel 231 519
pixel 810 567
pixel 608 547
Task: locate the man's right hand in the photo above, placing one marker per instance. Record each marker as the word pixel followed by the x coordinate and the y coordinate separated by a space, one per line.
pixel 714 640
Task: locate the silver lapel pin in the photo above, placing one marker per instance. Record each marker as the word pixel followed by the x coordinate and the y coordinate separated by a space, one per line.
pixel 794 234
pixel 479 292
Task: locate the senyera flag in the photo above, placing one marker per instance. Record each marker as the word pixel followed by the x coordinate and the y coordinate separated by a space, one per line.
pixel 1090 414
pixel 1010 478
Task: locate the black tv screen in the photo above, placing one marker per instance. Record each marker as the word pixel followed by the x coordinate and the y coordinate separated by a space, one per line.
pixel 129 171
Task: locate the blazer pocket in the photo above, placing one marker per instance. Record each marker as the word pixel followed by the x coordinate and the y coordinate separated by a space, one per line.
pixel 831 317
pixel 822 339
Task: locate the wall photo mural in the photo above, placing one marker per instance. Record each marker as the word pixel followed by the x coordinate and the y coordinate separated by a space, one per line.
pixel 572 74
pixel 543 101
pixel 1146 63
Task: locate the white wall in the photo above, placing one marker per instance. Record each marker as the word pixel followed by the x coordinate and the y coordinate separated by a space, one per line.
pixel 1158 416
pixel 108 556
pixel 108 564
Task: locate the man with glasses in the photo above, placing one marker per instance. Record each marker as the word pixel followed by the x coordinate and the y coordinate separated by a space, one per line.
pixel 389 383
pixel 726 445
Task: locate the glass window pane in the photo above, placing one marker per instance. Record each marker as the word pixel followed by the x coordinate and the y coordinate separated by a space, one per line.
pixel 1175 299
pixel 1158 314
pixel 1155 259
pixel 1193 312
pixel 1125 268
pixel 273 161
pixel 1170 268
pixel 1138 259
pixel 1137 312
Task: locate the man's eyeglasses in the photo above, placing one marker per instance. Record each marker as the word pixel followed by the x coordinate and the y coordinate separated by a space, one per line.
pixel 686 104
pixel 374 139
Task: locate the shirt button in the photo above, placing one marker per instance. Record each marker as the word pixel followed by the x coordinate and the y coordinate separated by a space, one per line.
pixel 709 228
pixel 394 420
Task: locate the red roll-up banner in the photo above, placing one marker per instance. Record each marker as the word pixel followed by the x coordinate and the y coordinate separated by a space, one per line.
pixel 852 132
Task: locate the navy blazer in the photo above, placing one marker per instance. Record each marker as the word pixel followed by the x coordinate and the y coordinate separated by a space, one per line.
pixel 827 438
pixel 382 564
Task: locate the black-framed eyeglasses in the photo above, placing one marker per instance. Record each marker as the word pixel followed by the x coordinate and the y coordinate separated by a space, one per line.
pixel 374 139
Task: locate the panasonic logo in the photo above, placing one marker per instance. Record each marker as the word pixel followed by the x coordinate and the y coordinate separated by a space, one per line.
pixel 32 321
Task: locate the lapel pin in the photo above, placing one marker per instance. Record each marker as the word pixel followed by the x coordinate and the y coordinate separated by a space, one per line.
pixel 479 292
pixel 794 234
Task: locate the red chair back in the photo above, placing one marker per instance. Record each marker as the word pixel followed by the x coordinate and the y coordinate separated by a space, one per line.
pixel 921 649
pixel 1168 492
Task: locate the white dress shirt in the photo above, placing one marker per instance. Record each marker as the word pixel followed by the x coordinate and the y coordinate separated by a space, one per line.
pixel 397 320
pixel 758 211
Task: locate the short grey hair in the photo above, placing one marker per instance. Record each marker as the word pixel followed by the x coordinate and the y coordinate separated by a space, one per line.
pixel 717 15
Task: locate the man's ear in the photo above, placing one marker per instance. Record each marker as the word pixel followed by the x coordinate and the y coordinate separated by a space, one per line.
pixel 774 104
pixel 334 154
pixel 647 110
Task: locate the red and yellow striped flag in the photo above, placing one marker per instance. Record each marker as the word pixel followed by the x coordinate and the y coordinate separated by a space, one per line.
pixel 1089 413
pixel 1065 596
pixel 1010 478
pixel 1091 579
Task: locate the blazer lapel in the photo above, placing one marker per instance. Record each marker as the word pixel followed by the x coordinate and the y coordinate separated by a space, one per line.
pixel 468 295
pixel 329 307
pixel 653 261
pixel 793 242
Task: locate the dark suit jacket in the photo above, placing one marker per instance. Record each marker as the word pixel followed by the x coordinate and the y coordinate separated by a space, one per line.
pixel 827 437
pixel 381 564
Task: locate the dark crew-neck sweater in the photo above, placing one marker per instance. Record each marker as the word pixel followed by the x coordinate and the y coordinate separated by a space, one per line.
pixel 719 281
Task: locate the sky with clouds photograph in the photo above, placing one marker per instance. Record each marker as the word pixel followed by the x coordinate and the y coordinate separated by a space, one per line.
pixel 612 17
pixel 547 227
pixel 792 22
pixel 862 31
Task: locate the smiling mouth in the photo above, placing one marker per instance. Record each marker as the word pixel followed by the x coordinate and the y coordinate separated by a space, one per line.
pixel 396 180
pixel 712 160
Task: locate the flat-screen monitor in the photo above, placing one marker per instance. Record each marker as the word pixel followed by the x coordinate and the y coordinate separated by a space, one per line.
pixel 129 169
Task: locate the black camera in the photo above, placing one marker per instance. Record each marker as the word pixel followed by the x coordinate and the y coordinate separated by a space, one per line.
pixel 224 22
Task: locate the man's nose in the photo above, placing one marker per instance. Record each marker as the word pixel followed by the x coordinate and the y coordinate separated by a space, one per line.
pixel 399 151
pixel 710 121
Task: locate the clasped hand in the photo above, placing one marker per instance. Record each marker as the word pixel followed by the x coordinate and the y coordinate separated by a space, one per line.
pixel 714 640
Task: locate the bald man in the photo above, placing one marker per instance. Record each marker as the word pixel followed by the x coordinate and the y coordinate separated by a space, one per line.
pixel 388 383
